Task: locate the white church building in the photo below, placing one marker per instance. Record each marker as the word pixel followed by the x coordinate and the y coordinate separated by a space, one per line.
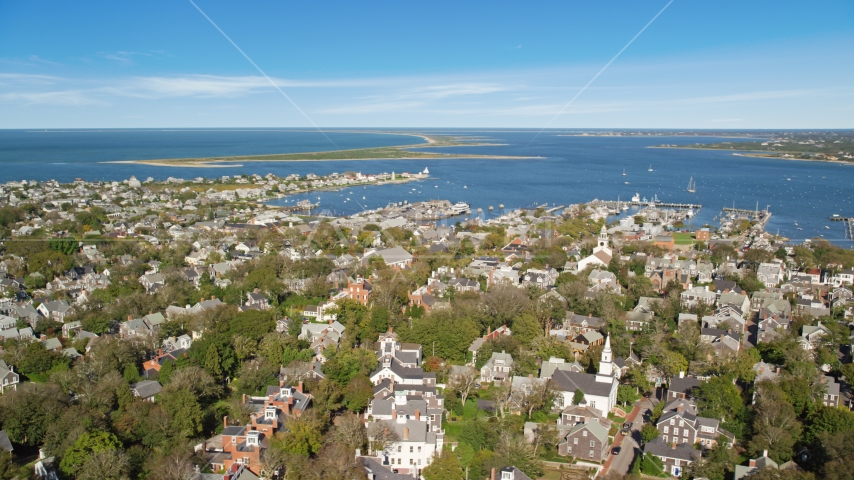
pixel 602 253
pixel 600 389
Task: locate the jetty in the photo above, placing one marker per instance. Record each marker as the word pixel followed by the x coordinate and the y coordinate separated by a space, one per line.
pixel 301 207
pixel 849 225
pixel 650 203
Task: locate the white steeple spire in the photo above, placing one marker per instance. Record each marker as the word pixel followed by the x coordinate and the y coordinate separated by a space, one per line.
pixel 602 242
pixel 606 368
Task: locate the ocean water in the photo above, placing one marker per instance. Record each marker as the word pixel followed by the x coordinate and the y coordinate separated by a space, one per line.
pixel 564 170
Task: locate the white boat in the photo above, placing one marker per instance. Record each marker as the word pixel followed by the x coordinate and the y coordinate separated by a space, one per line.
pixel 624 172
pixel 636 198
pixel 650 168
pixel 692 187
pixel 460 208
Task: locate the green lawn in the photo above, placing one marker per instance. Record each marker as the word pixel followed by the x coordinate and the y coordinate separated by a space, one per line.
pixel 683 238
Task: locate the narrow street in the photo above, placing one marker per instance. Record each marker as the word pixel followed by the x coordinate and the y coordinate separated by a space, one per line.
pixel 630 445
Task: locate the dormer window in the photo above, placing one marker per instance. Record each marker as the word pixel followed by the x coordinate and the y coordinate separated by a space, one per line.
pixel 270 412
pixel 253 438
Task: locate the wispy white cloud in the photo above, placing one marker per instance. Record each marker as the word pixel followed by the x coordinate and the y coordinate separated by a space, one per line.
pixel 37 59
pixel 57 97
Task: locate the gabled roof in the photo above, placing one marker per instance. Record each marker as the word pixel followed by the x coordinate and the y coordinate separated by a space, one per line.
pixel 682 451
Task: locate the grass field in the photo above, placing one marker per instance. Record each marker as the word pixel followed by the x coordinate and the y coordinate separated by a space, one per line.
pixel 683 238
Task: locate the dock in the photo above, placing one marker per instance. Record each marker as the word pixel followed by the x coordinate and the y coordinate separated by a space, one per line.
pixel 303 206
pixel 849 225
pixel 651 203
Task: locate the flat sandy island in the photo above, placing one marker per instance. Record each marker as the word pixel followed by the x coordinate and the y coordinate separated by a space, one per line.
pixel 401 152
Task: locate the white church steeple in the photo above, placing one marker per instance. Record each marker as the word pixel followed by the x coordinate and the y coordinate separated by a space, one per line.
pixel 604 239
pixel 606 366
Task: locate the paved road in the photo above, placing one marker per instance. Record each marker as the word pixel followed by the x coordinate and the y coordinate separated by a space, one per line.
pixel 620 463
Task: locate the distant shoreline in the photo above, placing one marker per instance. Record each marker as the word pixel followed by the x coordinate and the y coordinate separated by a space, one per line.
pixel 756 154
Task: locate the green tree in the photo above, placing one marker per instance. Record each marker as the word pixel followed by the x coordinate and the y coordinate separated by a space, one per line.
pixel 526 328
pixel 185 413
pixel 131 374
pixel 358 394
pixel 578 396
pixel 651 465
pixel 27 412
pixel 443 467
pixel 84 447
pixel 627 394
pixel 166 371
pixel 648 432
pixel 719 398
pixel 213 362
pixel 303 437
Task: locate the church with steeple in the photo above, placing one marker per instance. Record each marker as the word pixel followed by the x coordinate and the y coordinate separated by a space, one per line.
pixel 602 253
pixel 600 388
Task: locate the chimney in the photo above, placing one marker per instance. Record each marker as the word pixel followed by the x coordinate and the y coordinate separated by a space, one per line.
pixel 130 317
pixel 405 434
pixel 213 297
pixel 225 421
pixel 752 463
pixel 764 453
pixel 299 387
pixel 393 412
pixel 417 414
pixel 159 352
pixel 330 322
pixel 243 399
pixel 679 408
pixel 492 474
pixel 673 446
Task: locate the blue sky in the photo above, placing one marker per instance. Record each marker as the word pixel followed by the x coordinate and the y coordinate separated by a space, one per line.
pixel 721 64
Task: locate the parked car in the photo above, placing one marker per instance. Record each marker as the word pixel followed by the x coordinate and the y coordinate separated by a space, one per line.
pixel 616 450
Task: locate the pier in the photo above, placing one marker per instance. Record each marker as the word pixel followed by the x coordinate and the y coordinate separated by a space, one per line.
pixel 651 203
pixel 303 206
pixel 849 225
pixel 754 214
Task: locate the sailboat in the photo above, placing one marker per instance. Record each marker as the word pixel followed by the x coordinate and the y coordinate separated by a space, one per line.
pixel 692 186
pixel 650 168
pixel 624 172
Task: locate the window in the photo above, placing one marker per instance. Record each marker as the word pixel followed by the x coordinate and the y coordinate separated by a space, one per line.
pixel 681 423
pixel 665 439
pixel 398 449
pixel 584 433
pixel 575 441
pixel 666 429
pixel 592 443
pixel 672 421
pixel 591 453
pixel 675 431
pixel 411 449
pixel 569 450
pixel 419 449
